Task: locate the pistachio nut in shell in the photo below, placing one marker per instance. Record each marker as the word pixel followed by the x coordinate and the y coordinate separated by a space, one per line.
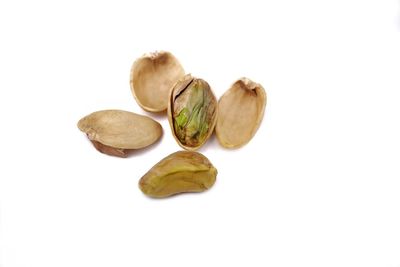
pixel 192 112
pixel 152 76
pixel 180 172
pixel 117 132
pixel 240 112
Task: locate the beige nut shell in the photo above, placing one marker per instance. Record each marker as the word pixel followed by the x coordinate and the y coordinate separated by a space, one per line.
pixel 120 129
pixel 240 112
pixel 151 78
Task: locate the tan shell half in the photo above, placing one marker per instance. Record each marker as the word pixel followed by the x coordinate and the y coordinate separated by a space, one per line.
pixel 180 172
pixel 192 129
pixel 116 132
pixel 240 112
pixel 152 76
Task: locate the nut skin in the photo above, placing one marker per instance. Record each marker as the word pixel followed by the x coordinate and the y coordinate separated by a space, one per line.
pixel 109 150
pixel 180 172
pixel 192 112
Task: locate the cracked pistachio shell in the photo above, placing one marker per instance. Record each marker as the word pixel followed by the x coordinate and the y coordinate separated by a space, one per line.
pixel 241 110
pixel 192 112
pixel 117 132
pixel 182 171
pixel 152 76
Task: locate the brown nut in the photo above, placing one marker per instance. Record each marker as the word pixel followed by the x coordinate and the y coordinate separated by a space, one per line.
pixel 192 112
pixel 117 132
pixel 240 112
pixel 183 171
pixel 152 77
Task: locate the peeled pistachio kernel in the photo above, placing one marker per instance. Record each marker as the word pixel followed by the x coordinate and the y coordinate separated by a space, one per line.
pixel 118 132
pixel 182 171
pixel 192 112
pixel 152 76
pixel 241 110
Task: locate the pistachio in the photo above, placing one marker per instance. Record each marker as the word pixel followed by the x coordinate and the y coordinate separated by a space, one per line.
pixel 241 110
pixel 117 132
pixel 182 171
pixel 151 78
pixel 192 112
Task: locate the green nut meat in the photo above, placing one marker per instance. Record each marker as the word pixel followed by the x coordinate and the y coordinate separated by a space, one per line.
pixel 192 112
pixel 182 171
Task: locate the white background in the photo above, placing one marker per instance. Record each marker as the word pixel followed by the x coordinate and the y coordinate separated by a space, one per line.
pixel 319 185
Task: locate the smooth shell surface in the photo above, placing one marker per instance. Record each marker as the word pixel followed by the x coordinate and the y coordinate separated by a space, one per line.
pixel 182 171
pixel 113 131
pixel 152 77
pixel 192 112
pixel 240 112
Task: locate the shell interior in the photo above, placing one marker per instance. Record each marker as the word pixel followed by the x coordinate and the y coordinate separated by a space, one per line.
pixel 152 77
pixel 240 112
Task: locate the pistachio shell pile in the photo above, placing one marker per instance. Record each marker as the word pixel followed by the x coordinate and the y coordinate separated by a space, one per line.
pixel 158 83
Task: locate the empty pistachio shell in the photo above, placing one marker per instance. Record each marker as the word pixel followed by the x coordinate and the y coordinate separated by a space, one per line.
pixel 116 132
pixel 240 112
pixel 152 77
pixel 192 112
pixel 180 172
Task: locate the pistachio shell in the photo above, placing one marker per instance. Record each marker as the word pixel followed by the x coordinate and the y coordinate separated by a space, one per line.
pixel 116 132
pixel 182 171
pixel 192 112
pixel 241 110
pixel 152 77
